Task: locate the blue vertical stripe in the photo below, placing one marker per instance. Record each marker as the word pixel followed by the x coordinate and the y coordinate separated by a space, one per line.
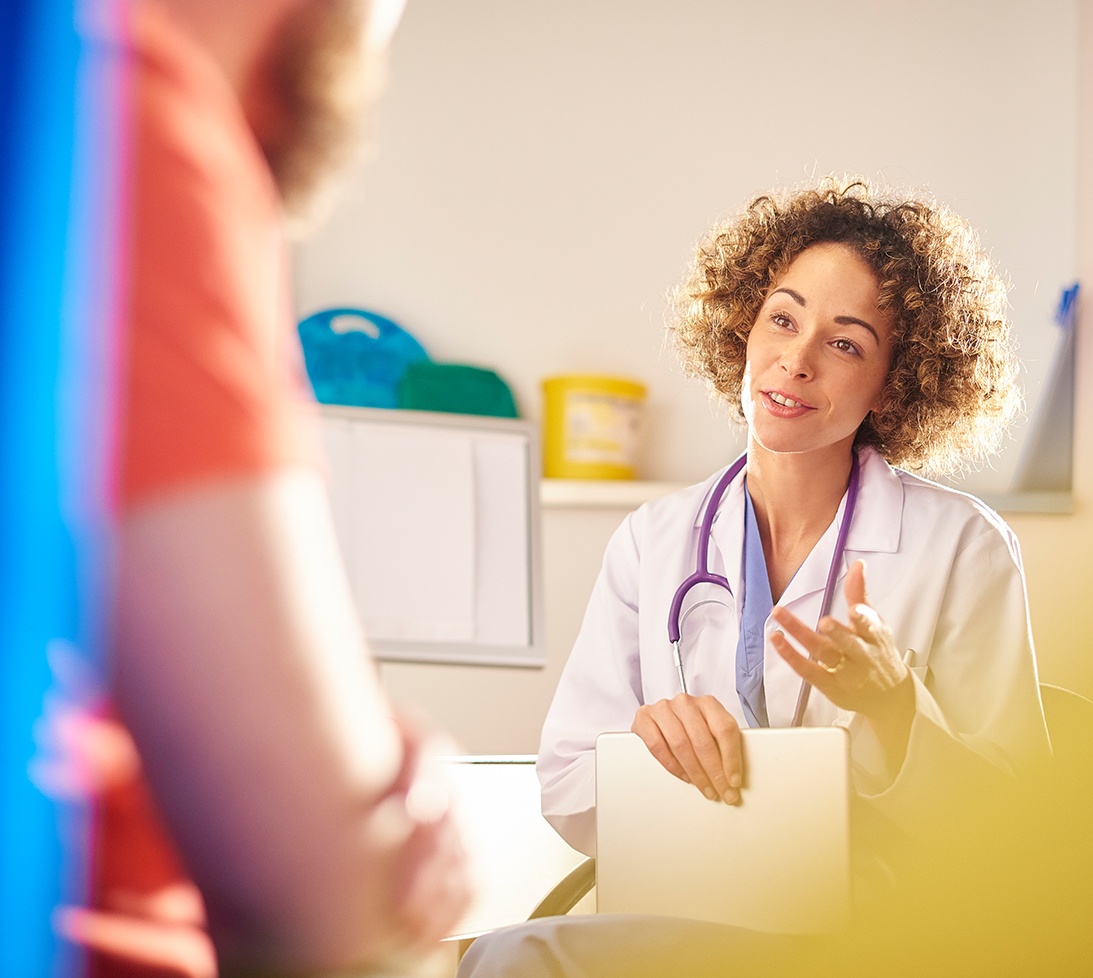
pixel 51 316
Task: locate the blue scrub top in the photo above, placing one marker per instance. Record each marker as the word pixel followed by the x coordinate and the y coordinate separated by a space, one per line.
pixel 756 605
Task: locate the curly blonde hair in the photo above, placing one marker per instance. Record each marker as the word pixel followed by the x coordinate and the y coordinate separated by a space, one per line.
pixel 951 389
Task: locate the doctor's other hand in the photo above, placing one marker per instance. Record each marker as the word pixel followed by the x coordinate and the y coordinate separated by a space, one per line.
pixel 696 739
pixel 856 665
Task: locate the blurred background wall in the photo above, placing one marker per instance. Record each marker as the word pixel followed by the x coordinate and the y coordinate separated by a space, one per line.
pixel 544 169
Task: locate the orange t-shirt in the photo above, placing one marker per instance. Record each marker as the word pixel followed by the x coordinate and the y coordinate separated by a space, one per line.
pixel 213 378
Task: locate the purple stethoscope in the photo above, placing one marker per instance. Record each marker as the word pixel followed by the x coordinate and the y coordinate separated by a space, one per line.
pixel 703 575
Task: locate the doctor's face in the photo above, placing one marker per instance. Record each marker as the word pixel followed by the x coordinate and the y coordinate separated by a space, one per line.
pixel 818 354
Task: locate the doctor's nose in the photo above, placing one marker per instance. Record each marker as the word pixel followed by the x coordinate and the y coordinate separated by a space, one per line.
pixel 797 359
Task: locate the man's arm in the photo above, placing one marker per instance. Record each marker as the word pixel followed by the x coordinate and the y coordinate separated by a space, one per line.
pixel 305 812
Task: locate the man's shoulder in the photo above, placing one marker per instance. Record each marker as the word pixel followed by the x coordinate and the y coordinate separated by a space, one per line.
pixel 188 126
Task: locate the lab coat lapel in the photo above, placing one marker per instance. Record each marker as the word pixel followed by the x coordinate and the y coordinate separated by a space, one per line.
pixel 803 597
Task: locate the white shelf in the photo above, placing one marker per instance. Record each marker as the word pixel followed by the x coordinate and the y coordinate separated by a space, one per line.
pixel 601 493
pixel 629 494
pixel 1024 501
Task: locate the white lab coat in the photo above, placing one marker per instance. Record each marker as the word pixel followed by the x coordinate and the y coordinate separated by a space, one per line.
pixel 942 569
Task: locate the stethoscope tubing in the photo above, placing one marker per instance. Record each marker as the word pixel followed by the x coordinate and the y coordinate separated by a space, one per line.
pixel 703 574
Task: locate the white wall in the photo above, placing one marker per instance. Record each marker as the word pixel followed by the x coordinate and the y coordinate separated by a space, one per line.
pixel 544 168
pixel 1058 550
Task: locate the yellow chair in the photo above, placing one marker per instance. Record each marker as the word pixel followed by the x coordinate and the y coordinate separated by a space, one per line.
pixel 567 892
pixel 1069 717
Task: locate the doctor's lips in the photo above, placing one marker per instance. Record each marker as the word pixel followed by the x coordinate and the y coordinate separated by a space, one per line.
pixel 783 405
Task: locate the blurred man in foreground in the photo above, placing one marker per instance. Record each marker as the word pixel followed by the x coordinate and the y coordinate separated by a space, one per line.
pixel 303 810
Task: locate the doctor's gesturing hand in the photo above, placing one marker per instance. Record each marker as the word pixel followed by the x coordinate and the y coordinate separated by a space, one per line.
pixel 856 665
pixel 697 740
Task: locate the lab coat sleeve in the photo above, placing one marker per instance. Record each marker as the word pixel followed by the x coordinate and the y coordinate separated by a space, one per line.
pixel 599 691
pixel 978 717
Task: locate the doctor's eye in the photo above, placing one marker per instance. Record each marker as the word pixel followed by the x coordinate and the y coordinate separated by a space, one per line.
pixel 846 346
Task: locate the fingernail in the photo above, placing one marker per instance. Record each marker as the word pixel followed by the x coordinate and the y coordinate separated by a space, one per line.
pixel 710 793
pixel 735 781
pixel 731 797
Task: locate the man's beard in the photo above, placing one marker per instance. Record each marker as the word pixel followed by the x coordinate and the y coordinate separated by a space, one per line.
pixel 316 85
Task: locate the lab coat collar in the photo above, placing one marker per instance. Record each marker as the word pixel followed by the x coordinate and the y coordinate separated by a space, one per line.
pixel 875 528
pixel 879 513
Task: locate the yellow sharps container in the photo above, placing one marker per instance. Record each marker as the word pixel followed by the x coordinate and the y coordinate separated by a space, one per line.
pixel 591 426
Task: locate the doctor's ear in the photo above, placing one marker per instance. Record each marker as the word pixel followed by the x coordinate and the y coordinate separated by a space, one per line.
pixel 880 405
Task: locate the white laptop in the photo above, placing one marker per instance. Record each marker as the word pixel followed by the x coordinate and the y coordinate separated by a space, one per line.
pixel 778 861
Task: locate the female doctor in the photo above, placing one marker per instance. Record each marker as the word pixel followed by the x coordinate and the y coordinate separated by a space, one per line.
pixel 864 339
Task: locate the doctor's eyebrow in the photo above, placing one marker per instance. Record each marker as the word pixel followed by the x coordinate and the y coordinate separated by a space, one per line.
pixel 841 320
